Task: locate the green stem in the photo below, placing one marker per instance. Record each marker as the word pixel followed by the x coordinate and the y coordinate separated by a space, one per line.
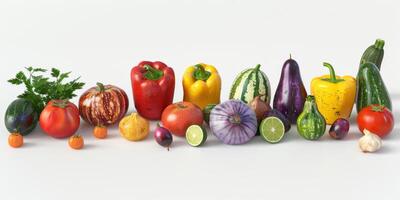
pixel 60 103
pixel 332 73
pixel 152 73
pixel 181 105
pixel 310 104
pixel 379 43
pixel 257 67
pixel 200 73
pixel 100 87
pixel 377 108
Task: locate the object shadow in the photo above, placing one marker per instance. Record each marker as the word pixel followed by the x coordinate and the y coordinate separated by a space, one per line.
pixel 386 149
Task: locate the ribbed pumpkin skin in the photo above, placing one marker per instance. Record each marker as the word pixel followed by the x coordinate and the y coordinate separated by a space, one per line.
pixel 103 107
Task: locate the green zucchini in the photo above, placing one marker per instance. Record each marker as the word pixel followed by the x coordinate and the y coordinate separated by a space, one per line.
pixel 21 117
pixel 249 84
pixel 374 53
pixel 371 88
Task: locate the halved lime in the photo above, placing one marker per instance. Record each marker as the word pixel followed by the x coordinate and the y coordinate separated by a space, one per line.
pixel 272 129
pixel 196 135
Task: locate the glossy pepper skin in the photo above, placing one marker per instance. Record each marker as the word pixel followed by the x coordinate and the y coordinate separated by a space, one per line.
pixel 335 95
pixel 201 85
pixel 311 124
pixel 153 86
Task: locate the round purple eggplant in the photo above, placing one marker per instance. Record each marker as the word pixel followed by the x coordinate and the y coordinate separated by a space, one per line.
pixel 163 137
pixel 279 115
pixel 339 129
pixel 290 94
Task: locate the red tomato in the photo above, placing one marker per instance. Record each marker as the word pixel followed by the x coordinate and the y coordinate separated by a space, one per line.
pixel 60 119
pixel 179 116
pixel 377 119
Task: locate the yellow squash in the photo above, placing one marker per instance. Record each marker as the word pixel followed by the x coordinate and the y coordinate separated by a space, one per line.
pixel 201 85
pixel 134 127
pixel 334 95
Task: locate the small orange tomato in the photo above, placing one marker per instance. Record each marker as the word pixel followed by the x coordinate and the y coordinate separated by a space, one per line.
pixel 76 142
pixel 15 140
pixel 100 132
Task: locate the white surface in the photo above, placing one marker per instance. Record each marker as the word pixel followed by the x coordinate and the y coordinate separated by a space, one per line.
pixel 101 40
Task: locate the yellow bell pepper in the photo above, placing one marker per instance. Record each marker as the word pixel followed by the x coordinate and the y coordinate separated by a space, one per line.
pixel 201 85
pixel 334 95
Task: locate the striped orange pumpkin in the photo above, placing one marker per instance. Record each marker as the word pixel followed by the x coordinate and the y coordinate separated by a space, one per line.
pixel 103 105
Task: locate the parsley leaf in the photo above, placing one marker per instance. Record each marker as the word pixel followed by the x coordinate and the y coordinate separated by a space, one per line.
pixel 41 89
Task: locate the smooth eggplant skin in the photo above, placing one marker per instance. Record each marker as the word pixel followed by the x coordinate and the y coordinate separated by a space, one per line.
pixel 290 94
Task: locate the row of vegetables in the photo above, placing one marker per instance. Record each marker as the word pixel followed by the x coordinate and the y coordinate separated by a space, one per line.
pixel 236 121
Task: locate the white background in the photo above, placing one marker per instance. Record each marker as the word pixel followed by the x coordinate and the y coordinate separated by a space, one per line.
pixel 101 40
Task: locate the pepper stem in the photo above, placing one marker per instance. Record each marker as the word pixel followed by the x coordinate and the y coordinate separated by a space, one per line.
pixel 100 87
pixel 200 73
pixel 152 73
pixel 379 43
pixel 332 73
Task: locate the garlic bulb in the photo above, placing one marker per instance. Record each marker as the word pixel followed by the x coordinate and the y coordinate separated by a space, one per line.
pixel 369 142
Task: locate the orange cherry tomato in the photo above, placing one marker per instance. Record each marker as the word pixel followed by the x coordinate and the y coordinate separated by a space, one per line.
pixel 100 132
pixel 76 142
pixel 15 140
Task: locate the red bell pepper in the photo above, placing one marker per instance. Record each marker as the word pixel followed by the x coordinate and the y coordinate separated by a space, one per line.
pixel 153 85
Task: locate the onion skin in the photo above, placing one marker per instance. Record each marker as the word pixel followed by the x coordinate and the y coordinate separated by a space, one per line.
pixel 259 107
pixel 233 122
pixel 163 137
pixel 339 129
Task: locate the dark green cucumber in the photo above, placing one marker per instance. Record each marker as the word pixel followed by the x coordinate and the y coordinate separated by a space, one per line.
pixel 371 88
pixel 374 53
pixel 21 117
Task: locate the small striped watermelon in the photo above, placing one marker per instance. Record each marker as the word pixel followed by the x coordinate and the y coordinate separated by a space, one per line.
pixel 249 84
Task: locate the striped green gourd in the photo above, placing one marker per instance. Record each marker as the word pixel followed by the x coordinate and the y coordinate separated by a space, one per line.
pixel 249 84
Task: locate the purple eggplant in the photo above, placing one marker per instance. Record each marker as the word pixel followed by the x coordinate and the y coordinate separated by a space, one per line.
pixel 290 94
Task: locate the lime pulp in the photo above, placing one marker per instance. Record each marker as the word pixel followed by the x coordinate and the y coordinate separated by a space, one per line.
pixel 272 129
pixel 196 135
